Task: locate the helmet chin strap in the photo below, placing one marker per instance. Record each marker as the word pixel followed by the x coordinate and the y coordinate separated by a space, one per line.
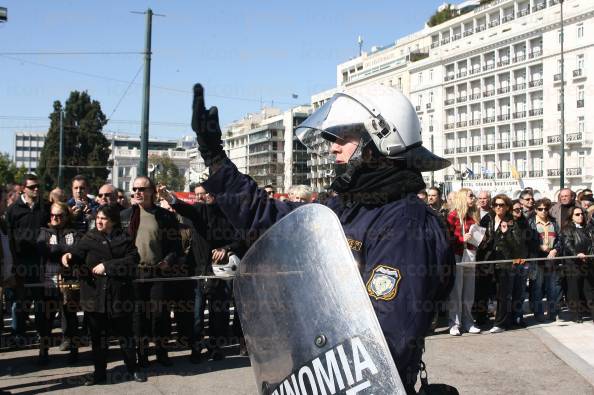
pixel 345 171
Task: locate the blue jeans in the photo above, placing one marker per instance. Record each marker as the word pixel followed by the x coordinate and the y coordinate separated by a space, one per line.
pixel 544 275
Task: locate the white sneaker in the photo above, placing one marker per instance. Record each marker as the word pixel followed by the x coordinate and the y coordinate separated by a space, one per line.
pixel 455 331
pixel 473 330
pixel 496 329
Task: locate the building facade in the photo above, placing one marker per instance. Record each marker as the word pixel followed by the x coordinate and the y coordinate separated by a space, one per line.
pixel 264 146
pixel 27 149
pixel 486 86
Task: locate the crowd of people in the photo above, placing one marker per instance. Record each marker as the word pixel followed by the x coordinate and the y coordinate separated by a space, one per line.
pixel 507 249
pixel 104 254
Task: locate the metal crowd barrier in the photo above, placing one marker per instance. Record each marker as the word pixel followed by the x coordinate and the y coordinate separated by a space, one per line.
pixel 467 264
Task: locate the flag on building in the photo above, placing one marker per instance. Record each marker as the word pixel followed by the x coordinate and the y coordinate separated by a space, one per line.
pixel 515 174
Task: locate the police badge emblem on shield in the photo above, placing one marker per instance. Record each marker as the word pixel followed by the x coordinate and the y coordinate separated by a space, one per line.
pixel 383 283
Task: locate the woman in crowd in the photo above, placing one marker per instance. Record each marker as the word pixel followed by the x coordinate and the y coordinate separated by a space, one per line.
pixel 544 274
pixel 463 215
pixel 502 241
pixel 53 242
pixel 578 239
pixel 107 258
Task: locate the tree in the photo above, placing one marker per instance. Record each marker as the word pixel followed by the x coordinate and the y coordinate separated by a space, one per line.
pixel 9 173
pixel 167 173
pixel 86 150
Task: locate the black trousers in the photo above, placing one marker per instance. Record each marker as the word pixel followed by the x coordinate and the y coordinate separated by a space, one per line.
pixel 580 287
pixel 218 297
pixel 505 285
pixel 101 325
pixel 483 290
pixel 184 307
pixel 46 307
pixel 151 315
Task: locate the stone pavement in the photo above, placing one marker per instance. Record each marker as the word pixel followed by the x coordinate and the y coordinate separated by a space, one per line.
pixel 542 359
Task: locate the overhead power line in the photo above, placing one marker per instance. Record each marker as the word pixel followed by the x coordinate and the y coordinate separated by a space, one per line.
pixel 72 53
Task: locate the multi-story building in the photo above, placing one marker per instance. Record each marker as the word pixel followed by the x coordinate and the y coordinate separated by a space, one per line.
pixel 264 146
pixel 27 149
pixel 486 86
pixel 125 154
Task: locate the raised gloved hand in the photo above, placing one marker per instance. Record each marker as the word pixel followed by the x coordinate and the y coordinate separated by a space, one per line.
pixel 206 125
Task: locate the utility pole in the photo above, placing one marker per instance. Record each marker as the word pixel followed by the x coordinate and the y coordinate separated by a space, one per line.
pixel 360 42
pixel 61 159
pixel 562 104
pixel 432 173
pixel 3 14
pixel 144 126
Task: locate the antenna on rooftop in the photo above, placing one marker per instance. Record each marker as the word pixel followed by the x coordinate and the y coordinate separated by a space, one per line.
pixel 360 42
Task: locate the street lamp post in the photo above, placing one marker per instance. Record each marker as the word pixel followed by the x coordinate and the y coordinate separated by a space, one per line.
pixel 562 104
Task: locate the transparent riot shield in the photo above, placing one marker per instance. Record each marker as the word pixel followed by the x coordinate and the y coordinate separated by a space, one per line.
pixel 307 319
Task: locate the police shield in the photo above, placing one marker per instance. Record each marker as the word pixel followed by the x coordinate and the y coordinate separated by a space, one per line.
pixel 307 319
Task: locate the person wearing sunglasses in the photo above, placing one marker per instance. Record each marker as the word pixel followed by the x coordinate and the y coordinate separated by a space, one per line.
pixel 155 233
pixel 578 240
pixel 502 240
pixel 108 195
pixel 527 201
pixel 24 219
pixel 55 240
pixel 544 274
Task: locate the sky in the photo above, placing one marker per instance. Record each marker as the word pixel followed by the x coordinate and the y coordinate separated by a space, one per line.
pixel 245 53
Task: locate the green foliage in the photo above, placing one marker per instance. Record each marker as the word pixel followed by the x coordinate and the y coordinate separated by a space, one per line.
pixel 86 150
pixel 442 16
pixel 167 173
pixel 9 173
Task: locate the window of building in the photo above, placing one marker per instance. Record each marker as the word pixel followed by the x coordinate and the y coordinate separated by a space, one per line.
pixel 580 30
pixel 420 100
pixel 400 83
pixel 430 97
pixel 580 62
pixel 560 36
pixel 431 75
pixel 420 78
pixel 580 92
pixel 581 125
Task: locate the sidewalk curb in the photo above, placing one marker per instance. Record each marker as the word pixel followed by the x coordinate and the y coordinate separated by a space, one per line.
pixel 565 354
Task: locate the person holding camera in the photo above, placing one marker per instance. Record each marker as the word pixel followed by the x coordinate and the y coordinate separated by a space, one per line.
pixel 81 207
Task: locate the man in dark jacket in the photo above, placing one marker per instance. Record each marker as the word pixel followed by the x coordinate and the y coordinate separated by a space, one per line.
pixel 155 232
pixel 81 206
pixel 376 143
pixel 24 218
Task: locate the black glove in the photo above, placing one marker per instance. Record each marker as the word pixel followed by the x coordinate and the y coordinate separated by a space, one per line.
pixel 208 132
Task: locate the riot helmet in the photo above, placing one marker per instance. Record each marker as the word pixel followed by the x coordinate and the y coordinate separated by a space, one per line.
pixel 374 116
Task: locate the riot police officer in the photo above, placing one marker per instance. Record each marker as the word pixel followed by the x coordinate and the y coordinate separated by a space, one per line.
pixel 373 136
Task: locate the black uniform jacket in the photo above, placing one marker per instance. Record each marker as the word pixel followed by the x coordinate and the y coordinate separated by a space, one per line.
pixel 112 292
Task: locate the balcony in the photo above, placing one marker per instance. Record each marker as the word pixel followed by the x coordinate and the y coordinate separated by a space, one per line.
pixel 489 93
pixel 488 119
pixel 553 2
pixel 487 147
pixel 519 58
pixel 505 89
pixel 504 174
pixel 520 86
pixel 445 40
pixel 535 54
pixel 502 63
pixel 474 148
pixel 573 171
pixel 449 102
pixel 519 114
pixel 535 173
pixel 534 83
pixel 460 150
pixel 430 128
pixel 539 6
pixel 580 103
pixel 450 177
pixel 448 126
pixel 573 137
pixel 519 143
pixel 535 112
pixel 461 124
pixel 418 108
pixel 480 28
pixel 494 22
pixel 461 74
pixel 475 96
pixel 461 99
pixel 428 106
pixel 468 33
pixel 578 73
pixel 507 18
pixel 474 122
pixel 554 139
pixel 449 77
pixel 489 66
pixel 559 107
pixel 557 77
pixel 535 142
pixel 503 145
pixel 503 117
pixel 553 172
pixel 474 177
pixel 523 12
pixel 435 44
pixel 475 69
pixel 449 151
pixel 457 36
